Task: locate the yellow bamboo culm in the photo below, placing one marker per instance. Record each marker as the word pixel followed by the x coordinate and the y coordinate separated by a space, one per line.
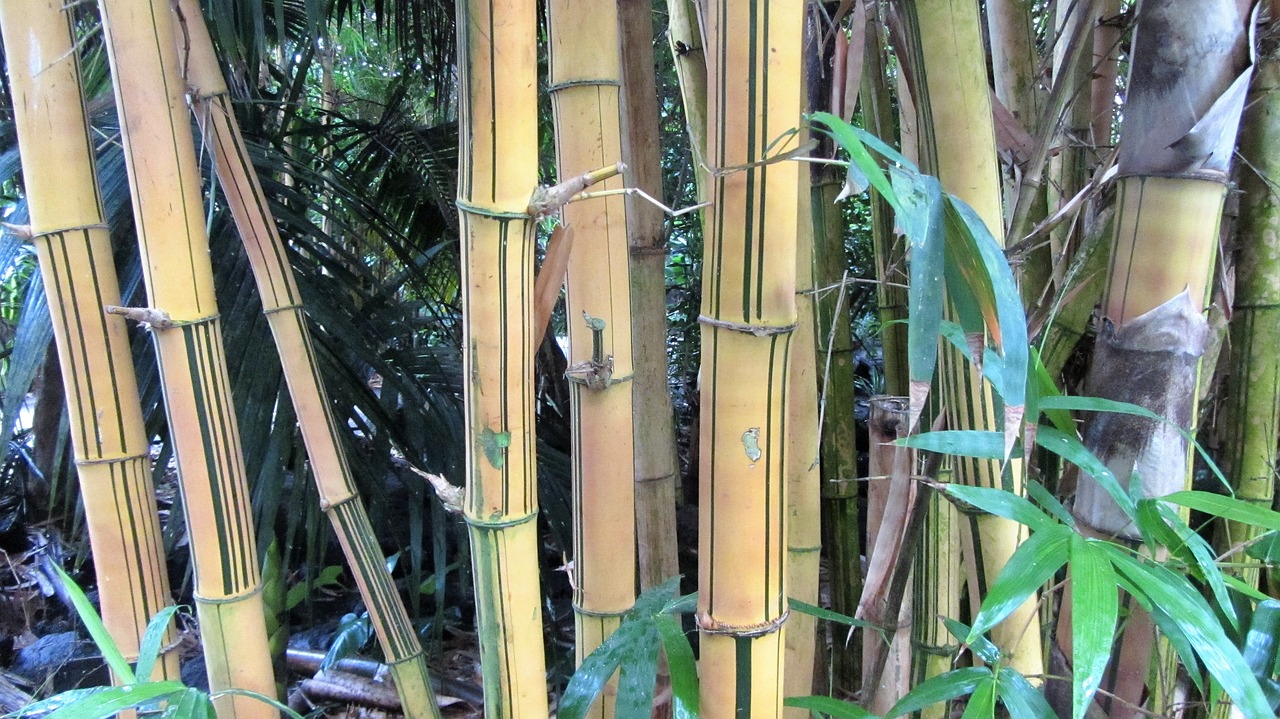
pixel 498 171
pixel 282 305
pixel 585 82
pixel 748 316
pixel 165 180
pixel 73 246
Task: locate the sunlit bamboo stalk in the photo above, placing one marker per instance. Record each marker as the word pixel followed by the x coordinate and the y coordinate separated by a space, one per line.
pixel 686 34
pixel 585 77
pixel 498 166
pixel 73 246
pixel 282 304
pixel 183 316
pixel 748 316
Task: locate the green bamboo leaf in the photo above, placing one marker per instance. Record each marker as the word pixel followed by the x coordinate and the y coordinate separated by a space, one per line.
pixel 829 706
pixel 961 442
pixel 942 688
pixel 353 633
pixel 1069 447
pixel 1174 595
pixel 271 701
pixel 920 217
pixel 1021 699
pixel 1094 609
pixel 191 704
pixel 1045 389
pixel 1002 504
pixel 97 631
pixel 1032 564
pixel 1202 557
pixel 684 669
pixel 829 615
pixel 982 703
pixel 1051 504
pixel 639 669
pixel 1155 533
pixel 1265 549
pixel 685 604
pixel 980 646
pixel 1236 510
pixel 109 701
pixel 656 599
pixel 842 132
pixel 885 151
pixel 599 666
pixel 149 649
pixel 1246 589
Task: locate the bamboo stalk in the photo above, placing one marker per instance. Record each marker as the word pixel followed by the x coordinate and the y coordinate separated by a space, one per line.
pixel 497 173
pixel 686 34
pixel 183 316
pixel 73 246
pixel 585 76
pixel 748 315
pixel 282 305
pixel 657 464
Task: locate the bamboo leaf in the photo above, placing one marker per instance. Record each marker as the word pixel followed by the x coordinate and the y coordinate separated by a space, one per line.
pixel 961 442
pixel 1032 564
pixel 1002 504
pixel 1021 699
pixel 879 146
pixel 190 704
pixel 108 701
pixel 1186 609
pixel 1094 609
pixel 829 706
pixel 149 649
pixel 353 633
pixel 1044 388
pixel 684 669
pixel 1202 557
pixel 638 671
pixel 1051 504
pixel 97 631
pixel 599 666
pixel 1236 510
pixel 268 700
pixel 944 687
pixel 982 703
pixel 920 217
pixel 827 614
pixel 1070 448
pixel 842 132
pixel 980 646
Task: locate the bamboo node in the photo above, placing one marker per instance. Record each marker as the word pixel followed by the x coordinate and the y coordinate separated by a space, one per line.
pixel 578 609
pixel 750 329
pixel 149 317
pixel 498 521
pixel 710 625
pixel 587 82
pixel 548 199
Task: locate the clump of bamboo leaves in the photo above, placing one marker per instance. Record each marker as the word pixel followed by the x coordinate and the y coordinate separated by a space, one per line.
pixel 211 102
pixel 74 250
pixel 183 316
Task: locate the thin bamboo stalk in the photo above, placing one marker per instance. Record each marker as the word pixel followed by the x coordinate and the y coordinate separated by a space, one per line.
pixel 748 316
pixel 958 144
pixel 585 77
pixel 73 247
pixel 183 315
pixel 498 168
pixel 1105 72
pixel 282 305
pixel 686 34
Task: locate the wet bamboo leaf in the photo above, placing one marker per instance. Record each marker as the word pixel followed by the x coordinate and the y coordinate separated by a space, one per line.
pixel 1003 504
pixel 1228 508
pixel 191 704
pixel 980 646
pixel 684 669
pixel 639 669
pixel 944 687
pixel 1094 608
pixel 97 631
pixel 149 648
pixel 1069 447
pixel 962 442
pixel 1186 609
pixel 1050 503
pixel 1032 564
pixel 1202 557
pixel 982 703
pixel 1021 699
pixel 108 701
pixel 599 666
pixel 829 706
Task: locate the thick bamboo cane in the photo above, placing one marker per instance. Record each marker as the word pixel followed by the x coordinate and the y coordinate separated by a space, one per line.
pixel 183 316
pixel 74 250
pixel 748 315
pixel 585 77
pixel 498 166
pixel 958 144
pixel 282 305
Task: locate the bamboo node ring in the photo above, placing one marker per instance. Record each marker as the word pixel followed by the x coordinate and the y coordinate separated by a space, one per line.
pixel 578 609
pixel 750 329
pixel 709 625
pixel 481 523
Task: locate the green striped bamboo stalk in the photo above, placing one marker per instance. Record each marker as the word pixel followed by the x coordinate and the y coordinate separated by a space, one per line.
pixel 74 250
pixel 686 35
pixel 282 305
pixel 183 316
pixel 748 315
pixel 657 464
pixel 585 80
pixel 498 165
pixel 958 145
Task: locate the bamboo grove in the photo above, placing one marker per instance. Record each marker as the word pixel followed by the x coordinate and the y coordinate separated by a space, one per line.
pixel 962 470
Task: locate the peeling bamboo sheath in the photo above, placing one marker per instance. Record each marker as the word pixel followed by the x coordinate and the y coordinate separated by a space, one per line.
pixel 165 180
pixel 283 307
pixel 585 81
pixel 74 250
pixel 498 164
pixel 748 313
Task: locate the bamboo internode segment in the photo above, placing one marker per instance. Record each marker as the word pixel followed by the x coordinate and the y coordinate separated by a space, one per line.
pixel 74 251
pixel 958 144
pixel 165 179
pixel 498 171
pixel 282 305
pixel 749 306
pixel 585 80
